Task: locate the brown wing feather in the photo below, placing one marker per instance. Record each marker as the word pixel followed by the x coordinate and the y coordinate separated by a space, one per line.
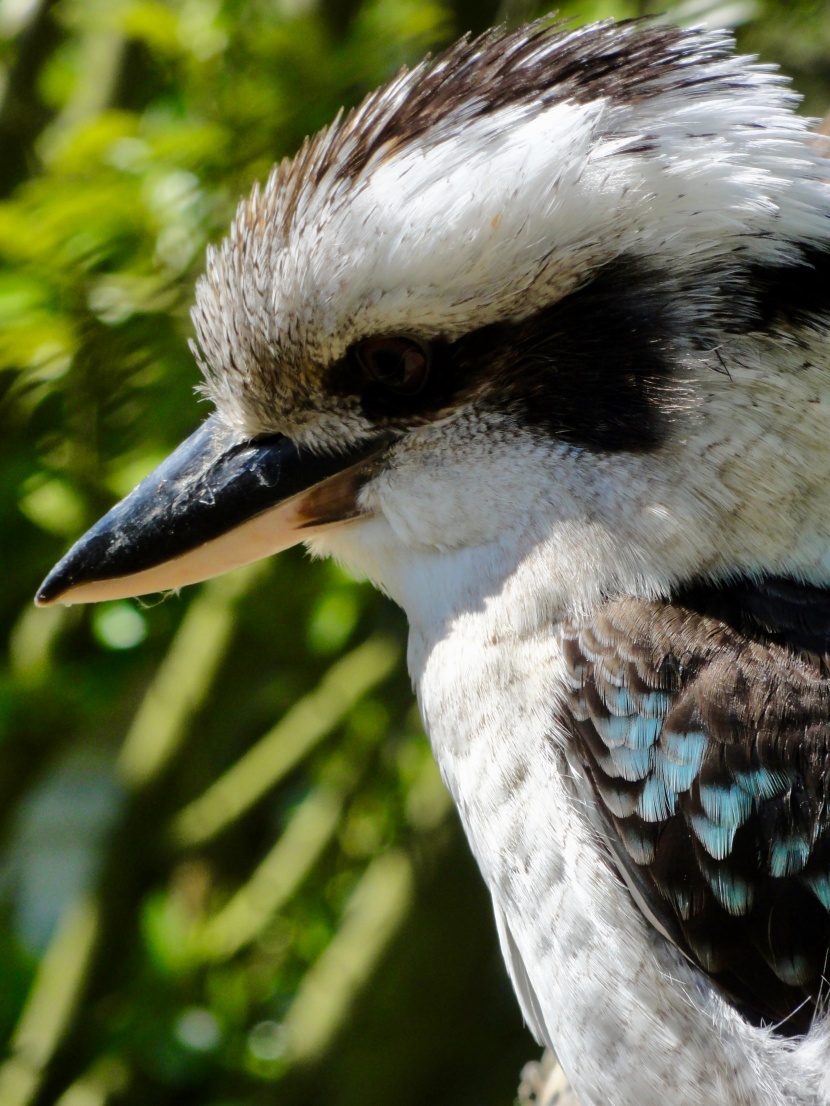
pixel 704 727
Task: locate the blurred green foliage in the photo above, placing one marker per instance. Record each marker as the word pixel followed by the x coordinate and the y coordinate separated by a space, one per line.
pixel 229 873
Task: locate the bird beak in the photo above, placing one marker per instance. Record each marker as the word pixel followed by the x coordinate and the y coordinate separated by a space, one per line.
pixel 216 503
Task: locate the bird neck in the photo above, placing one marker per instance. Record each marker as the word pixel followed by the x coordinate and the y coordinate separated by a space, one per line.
pixel 520 583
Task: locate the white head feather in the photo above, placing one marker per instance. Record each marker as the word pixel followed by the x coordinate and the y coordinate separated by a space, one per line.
pixel 484 187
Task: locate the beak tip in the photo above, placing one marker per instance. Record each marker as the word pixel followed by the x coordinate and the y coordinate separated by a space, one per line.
pixel 49 592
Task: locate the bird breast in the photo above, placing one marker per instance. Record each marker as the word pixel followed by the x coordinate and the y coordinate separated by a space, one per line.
pixel 631 1019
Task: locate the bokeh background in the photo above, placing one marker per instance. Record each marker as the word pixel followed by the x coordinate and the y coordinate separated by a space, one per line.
pixel 229 872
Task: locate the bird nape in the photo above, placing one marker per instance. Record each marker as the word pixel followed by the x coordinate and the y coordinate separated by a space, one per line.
pixel 536 338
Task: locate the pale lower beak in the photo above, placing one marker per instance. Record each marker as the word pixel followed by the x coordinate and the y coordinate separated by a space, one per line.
pixel 216 503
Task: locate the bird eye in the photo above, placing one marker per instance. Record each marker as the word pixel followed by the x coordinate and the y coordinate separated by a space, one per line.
pixel 396 362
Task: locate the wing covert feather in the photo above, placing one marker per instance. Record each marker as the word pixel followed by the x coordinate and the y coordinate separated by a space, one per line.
pixel 706 738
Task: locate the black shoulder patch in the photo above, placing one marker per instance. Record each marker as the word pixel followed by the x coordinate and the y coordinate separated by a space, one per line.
pixel 774 299
pixel 772 609
pixel 794 295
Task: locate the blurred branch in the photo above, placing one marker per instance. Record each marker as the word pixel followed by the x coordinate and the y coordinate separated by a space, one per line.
pixel 309 831
pixel 284 746
pixel 183 680
pixel 376 909
pixel 107 1077
pixel 180 687
pixel 51 1004
pixel 22 113
pixel 339 14
pixel 102 52
pixel 77 957
pixel 31 644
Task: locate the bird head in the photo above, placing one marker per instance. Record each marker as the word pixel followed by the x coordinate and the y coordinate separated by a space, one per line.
pixel 534 294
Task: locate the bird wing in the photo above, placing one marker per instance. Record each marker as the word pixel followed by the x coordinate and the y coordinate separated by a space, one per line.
pixel 524 989
pixel 703 725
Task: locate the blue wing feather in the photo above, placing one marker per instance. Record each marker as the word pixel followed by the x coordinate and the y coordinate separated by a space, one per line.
pixel 704 728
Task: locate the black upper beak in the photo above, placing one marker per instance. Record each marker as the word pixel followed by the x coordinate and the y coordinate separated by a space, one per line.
pixel 216 503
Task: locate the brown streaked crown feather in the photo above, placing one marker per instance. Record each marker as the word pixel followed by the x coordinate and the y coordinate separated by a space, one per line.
pixel 240 350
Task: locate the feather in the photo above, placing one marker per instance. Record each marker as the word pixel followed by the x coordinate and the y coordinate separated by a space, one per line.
pixel 726 824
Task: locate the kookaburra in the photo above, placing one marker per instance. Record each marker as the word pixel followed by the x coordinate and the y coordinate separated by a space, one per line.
pixel 536 339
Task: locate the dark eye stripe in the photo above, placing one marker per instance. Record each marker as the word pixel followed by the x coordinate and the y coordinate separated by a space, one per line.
pixel 593 369
pixel 597 368
pixel 397 362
